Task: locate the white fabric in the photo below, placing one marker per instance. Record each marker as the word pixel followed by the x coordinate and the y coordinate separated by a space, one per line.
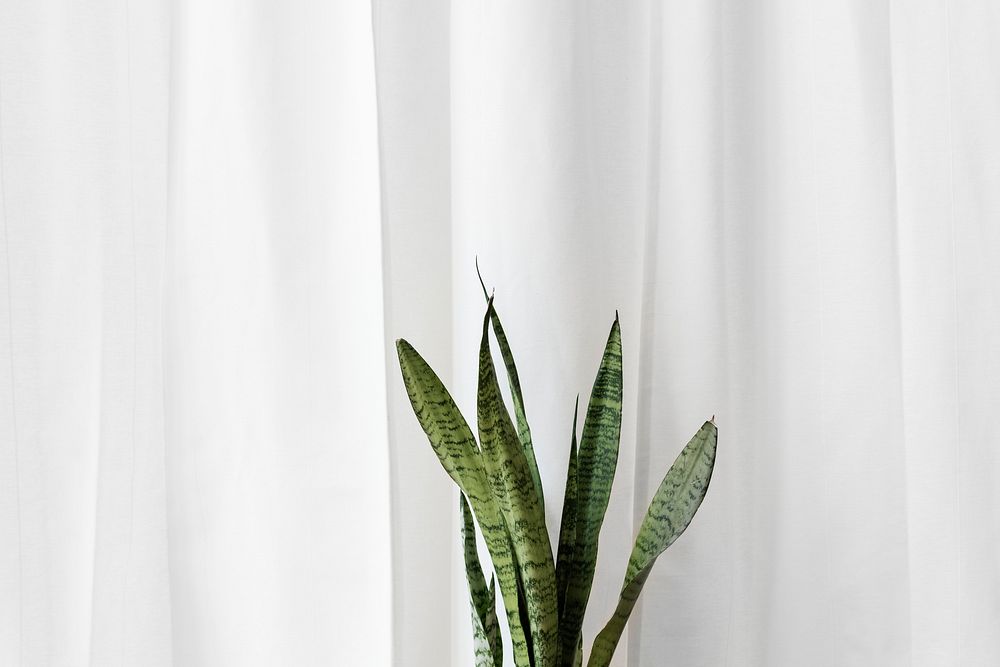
pixel 212 235
pixel 193 464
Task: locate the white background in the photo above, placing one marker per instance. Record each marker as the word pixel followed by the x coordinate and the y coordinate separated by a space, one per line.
pixel 217 217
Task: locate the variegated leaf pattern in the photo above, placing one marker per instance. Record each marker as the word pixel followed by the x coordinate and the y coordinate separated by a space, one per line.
pixel 597 461
pixel 489 652
pixel 480 643
pixel 492 626
pixel 498 541
pixel 514 381
pixel 673 506
pixel 545 601
pixel 567 524
pixel 509 475
pixel 522 606
pixel 452 440
pixel 448 432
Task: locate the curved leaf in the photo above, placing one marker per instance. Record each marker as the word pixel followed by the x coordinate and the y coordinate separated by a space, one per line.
pixel 509 475
pixel 448 432
pixel 452 440
pixel 673 506
pixel 597 460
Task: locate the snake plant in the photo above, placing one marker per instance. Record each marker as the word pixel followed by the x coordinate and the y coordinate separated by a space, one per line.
pixel 545 596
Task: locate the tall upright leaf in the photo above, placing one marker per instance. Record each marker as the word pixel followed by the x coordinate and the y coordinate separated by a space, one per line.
pixel 522 605
pixel 567 525
pixel 452 440
pixel 488 648
pixel 598 458
pixel 514 382
pixel 673 506
pixel 492 626
pixel 509 475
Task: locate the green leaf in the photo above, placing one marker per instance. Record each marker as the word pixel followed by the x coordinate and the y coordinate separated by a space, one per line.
pixel 567 525
pixel 597 460
pixel 510 477
pixel 448 432
pixel 673 506
pixel 513 380
pixel 522 606
pixel 489 651
pixel 481 645
pixel 453 442
pixel 492 625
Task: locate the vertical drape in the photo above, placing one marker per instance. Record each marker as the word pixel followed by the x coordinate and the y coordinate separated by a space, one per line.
pixel 193 459
pixel 275 403
pixel 83 114
pixel 412 56
pixel 216 218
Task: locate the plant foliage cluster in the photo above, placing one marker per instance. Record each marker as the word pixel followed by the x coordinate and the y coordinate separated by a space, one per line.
pixel 544 595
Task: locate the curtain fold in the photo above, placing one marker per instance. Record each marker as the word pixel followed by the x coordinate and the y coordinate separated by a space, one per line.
pixel 275 399
pixel 193 443
pixel 218 217
pixel 83 111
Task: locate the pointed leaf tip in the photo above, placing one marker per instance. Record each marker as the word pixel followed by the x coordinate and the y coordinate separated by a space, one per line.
pixel 481 283
pixel 597 460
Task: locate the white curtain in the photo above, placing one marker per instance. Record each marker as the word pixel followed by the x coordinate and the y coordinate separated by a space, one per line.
pixel 218 216
pixel 194 460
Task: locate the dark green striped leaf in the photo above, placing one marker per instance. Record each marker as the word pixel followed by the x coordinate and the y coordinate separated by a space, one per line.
pixel 492 626
pixel 510 477
pixel 522 606
pixel 489 651
pixel 448 432
pixel 453 442
pixel 597 460
pixel 514 381
pixel 567 525
pixel 673 506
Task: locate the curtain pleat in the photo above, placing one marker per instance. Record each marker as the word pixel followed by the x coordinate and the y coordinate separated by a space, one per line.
pixel 193 440
pixel 412 51
pixel 275 397
pixel 83 109
pixel 218 217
